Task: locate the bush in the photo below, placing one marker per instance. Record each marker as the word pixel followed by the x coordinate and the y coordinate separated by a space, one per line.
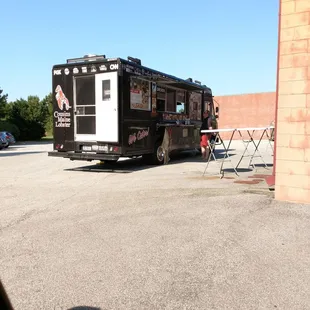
pixel 29 116
pixel 13 129
pixel 31 130
pixel 26 119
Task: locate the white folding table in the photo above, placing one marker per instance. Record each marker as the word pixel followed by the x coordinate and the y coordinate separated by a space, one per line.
pixel 218 137
pixel 250 131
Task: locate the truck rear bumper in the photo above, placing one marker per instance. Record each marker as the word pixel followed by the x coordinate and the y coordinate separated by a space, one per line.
pixel 84 156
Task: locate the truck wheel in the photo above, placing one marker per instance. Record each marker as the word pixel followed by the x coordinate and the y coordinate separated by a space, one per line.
pixel 158 156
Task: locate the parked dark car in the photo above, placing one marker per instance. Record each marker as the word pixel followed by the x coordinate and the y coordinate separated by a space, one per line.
pixel 8 137
pixel 3 142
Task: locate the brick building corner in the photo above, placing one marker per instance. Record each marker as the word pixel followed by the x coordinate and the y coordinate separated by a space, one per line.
pixel 292 157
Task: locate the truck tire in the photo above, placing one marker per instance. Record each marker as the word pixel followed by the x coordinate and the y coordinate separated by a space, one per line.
pixel 157 157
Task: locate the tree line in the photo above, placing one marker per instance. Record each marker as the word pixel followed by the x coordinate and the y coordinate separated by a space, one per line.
pixel 27 119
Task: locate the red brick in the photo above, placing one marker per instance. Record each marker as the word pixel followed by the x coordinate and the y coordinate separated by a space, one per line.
pixel 299 142
pixel 294 87
pixel 298 128
pixel 300 115
pixel 293 101
pixel 293 74
pixel 293 180
pixel 294 60
pixel 294 20
pixel 246 110
pixel 296 167
pixel 287 153
pixel 307 129
pixel 287 193
pixel 308 75
pixel 307 155
pixel 308 101
pixel 283 114
pixel 283 140
pixel 281 192
pixel 288 8
pixel 282 165
pixel 302 6
pixel 287 34
pixel 302 32
pixel 293 47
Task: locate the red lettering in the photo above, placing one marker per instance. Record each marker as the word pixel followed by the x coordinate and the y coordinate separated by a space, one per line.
pixel 142 134
pixel 132 139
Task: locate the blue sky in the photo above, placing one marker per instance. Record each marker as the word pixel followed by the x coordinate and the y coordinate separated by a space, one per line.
pixel 231 46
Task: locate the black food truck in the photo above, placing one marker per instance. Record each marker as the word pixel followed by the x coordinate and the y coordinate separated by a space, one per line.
pixel 107 108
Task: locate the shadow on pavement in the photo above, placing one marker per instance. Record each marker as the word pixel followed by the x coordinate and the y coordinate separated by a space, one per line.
pixel 239 170
pixel 123 166
pixel 137 164
pixel 263 165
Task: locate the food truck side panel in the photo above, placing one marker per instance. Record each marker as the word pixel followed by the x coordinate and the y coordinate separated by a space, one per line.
pixel 141 118
pixel 63 112
pixel 139 124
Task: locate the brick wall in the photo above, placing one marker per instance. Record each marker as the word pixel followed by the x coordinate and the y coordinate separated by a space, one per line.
pixel 293 124
pixel 246 110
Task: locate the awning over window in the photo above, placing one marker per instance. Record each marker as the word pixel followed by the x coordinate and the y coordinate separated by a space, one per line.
pixel 181 84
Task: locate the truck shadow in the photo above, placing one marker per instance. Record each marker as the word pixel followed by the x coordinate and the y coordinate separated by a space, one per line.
pixel 137 164
pixel 123 166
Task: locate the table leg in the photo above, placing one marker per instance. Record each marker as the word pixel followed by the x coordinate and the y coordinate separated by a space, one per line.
pixel 269 142
pixel 257 151
pixel 246 147
pixel 226 154
pixel 212 146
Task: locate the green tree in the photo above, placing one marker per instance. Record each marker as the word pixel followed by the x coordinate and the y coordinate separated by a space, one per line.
pixel 3 104
pixel 47 102
pixel 29 116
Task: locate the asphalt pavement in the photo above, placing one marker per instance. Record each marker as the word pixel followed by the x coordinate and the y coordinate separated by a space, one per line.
pixel 77 234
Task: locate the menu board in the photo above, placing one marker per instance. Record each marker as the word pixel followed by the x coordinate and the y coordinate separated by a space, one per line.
pixel 140 94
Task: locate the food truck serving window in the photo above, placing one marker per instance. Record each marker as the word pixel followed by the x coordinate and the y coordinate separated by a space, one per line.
pixel 176 100
pixel 140 94
pixel 181 106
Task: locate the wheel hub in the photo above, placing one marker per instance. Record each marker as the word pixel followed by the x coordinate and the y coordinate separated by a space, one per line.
pixel 160 153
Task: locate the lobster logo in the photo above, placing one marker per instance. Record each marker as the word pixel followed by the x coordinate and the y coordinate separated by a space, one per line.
pixel 61 98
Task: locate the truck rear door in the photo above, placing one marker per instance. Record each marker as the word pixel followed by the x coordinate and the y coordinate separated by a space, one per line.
pixel 96 107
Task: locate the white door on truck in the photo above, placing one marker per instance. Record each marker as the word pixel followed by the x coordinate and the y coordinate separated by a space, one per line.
pixel 106 86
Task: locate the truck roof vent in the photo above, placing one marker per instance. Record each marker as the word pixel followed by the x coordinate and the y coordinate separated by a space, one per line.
pixel 86 58
pixel 135 60
pixel 90 55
